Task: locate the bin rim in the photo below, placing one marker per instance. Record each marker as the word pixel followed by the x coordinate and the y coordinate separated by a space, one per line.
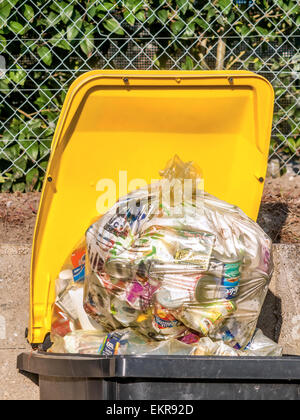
pixel 249 368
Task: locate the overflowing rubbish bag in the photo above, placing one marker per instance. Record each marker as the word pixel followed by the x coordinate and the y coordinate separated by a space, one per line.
pixel 169 269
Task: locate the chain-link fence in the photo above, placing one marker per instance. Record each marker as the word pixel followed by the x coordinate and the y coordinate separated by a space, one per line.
pixel 47 44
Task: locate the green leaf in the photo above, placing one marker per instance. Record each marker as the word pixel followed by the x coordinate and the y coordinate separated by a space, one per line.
pixel 32 151
pixel 9 136
pixel 18 76
pixel 53 116
pixel 59 41
pixel 177 26
pixel 112 25
pixel 106 6
pixel 91 12
pixel 258 64
pixel 133 5
pixel 72 31
pixel 189 63
pixel 163 15
pixel 45 54
pixel 67 13
pixel 31 179
pixel 35 127
pixel 62 98
pixel 291 144
pixel 45 96
pixel 141 16
pixel 183 5
pixel 74 27
pixel 231 17
pixel 211 12
pixel 244 30
pixel 58 6
pixel 44 165
pixel 53 19
pixel 261 30
pixel 42 22
pixel 151 17
pixel 17 28
pixel 11 153
pixel 20 187
pixel 201 22
pixel 6 186
pixel 28 12
pixel 225 5
pixel 129 17
pixel 30 44
pixel 5 9
pixel 45 148
pixel 87 43
pixel 190 30
pixel 19 167
pixel 3 43
pixel 221 21
pixel 4 88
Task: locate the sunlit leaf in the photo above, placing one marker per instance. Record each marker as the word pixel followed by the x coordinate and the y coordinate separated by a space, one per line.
pixel 112 25
pixel 45 54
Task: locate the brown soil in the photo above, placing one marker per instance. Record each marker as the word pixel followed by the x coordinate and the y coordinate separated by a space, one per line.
pixel 17 217
pixel 279 214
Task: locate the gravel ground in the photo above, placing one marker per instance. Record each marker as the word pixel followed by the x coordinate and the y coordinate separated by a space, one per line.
pixel 14 311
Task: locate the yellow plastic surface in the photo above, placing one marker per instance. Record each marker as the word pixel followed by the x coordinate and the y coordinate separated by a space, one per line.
pixel 221 120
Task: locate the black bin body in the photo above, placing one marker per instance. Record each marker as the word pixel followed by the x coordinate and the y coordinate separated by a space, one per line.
pixel 89 377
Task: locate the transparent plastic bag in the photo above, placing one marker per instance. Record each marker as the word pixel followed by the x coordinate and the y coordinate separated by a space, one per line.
pixel 169 264
pixel 128 342
pixel 119 342
pixel 68 312
pixel 260 345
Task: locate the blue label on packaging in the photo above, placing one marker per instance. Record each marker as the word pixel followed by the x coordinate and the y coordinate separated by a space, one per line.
pixel 230 292
pixel 79 273
pixel 237 346
pixel 164 323
pixel 232 270
pixel 228 336
pixel 111 344
pixel 231 279
pixel 250 342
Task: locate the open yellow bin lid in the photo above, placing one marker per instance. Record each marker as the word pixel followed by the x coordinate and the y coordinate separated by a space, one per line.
pixel 136 121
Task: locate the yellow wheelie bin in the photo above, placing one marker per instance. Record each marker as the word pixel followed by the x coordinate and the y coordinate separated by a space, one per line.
pixel 135 121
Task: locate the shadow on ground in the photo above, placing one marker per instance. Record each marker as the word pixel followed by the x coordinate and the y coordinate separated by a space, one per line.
pixel 270 319
pixel 271 218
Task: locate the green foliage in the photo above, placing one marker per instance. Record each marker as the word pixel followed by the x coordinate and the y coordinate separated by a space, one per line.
pixel 47 44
